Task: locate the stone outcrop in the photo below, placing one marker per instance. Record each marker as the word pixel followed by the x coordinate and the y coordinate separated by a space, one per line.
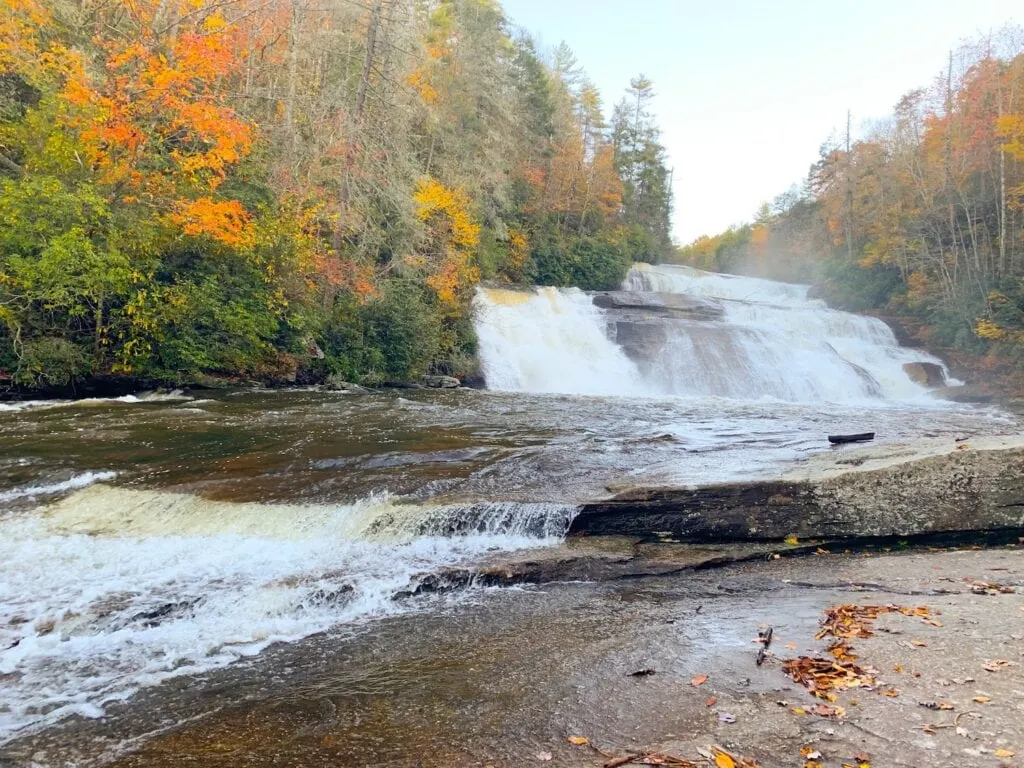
pixel 440 382
pixel 663 304
pixel 926 374
pixel 643 323
pixel 964 394
pixel 936 486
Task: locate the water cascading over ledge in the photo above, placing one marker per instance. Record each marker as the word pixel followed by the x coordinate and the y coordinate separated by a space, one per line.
pixel 679 331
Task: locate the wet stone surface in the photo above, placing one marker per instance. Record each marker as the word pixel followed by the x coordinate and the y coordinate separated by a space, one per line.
pixel 505 678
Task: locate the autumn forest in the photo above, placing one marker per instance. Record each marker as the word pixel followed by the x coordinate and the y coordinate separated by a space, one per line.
pixel 920 221
pixel 288 189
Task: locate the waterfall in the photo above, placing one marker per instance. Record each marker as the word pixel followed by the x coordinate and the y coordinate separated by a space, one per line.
pixel 550 340
pixel 735 337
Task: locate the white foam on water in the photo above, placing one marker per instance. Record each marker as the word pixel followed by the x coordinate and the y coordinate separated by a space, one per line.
pixel 175 396
pixel 31 405
pixel 110 590
pixel 773 343
pixel 73 483
pixel 550 340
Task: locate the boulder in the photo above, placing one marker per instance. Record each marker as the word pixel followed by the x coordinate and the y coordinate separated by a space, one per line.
pixel 664 304
pixel 964 394
pixel 440 382
pixel 933 487
pixel 335 383
pixel 926 374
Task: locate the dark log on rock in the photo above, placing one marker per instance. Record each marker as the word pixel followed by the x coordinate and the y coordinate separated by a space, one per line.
pixel 860 437
pixel 944 487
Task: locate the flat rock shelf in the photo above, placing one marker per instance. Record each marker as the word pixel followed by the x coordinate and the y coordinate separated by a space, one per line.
pixel 931 487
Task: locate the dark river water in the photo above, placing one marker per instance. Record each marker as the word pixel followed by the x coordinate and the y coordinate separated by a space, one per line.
pixel 145 540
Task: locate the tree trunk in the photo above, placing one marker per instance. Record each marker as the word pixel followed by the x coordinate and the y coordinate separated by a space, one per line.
pixel 355 122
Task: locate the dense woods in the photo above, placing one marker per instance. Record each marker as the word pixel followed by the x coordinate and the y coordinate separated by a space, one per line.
pixel 282 188
pixel 921 220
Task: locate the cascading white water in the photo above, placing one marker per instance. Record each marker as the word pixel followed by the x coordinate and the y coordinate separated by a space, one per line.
pixel 771 341
pixel 116 589
pixel 550 340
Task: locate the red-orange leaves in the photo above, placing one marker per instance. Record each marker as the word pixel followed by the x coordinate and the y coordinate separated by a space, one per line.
pixel 157 97
pixel 224 221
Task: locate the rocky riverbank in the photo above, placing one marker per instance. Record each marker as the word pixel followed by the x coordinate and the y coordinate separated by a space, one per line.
pixel 929 487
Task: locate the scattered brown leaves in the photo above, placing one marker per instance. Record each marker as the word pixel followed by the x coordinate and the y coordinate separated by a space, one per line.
pixel 649 758
pixel 698 681
pixel 849 621
pixel 997 664
pixel 937 705
pixel 823 677
pixel 725 759
pixel 989 588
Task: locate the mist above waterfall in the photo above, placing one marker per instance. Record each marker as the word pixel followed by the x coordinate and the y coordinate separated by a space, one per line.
pixel 734 337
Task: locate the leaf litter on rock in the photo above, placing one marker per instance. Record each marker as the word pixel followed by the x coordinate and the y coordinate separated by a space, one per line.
pixel 825 677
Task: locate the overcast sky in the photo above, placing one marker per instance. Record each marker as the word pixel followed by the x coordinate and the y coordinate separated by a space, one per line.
pixel 748 91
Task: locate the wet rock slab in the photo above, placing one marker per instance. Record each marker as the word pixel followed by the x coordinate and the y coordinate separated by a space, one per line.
pixel 507 681
pixel 933 486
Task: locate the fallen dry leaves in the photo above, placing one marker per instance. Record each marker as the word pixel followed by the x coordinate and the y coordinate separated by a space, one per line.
pixel 826 677
pixel 725 759
pixel 699 680
pixel 649 758
pixel 823 677
pixel 988 588
pixel 850 621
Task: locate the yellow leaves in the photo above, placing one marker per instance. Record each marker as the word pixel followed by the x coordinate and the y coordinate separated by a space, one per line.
pixel 724 759
pixel 435 199
pixel 420 82
pixel 215 22
pixel 224 221
pixel 452 237
pixel 1011 129
pixel 917 284
pixel 579 741
pixel 792 541
pixel 1004 753
pixel 986 329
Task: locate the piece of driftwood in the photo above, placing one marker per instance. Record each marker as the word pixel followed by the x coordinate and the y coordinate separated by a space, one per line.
pixel 861 437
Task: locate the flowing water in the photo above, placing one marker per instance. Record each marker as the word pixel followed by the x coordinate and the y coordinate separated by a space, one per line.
pixel 152 537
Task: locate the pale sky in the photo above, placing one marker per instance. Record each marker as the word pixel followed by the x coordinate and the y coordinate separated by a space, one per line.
pixel 748 91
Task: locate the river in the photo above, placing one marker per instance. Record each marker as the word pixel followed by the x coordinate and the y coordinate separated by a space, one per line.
pixel 163 536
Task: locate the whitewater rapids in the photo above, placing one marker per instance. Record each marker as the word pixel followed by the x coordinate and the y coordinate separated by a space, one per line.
pixel 772 341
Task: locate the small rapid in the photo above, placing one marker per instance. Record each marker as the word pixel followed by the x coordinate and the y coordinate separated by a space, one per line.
pixel 767 340
pixel 117 589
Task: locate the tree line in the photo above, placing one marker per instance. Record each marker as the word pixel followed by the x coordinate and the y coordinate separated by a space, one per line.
pixel 921 220
pixel 297 188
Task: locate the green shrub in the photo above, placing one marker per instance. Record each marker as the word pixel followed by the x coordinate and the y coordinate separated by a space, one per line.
pixel 51 362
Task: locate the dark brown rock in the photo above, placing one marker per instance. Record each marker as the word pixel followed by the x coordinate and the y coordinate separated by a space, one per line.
pixel 926 374
pixel 661 304
pixel 940 489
